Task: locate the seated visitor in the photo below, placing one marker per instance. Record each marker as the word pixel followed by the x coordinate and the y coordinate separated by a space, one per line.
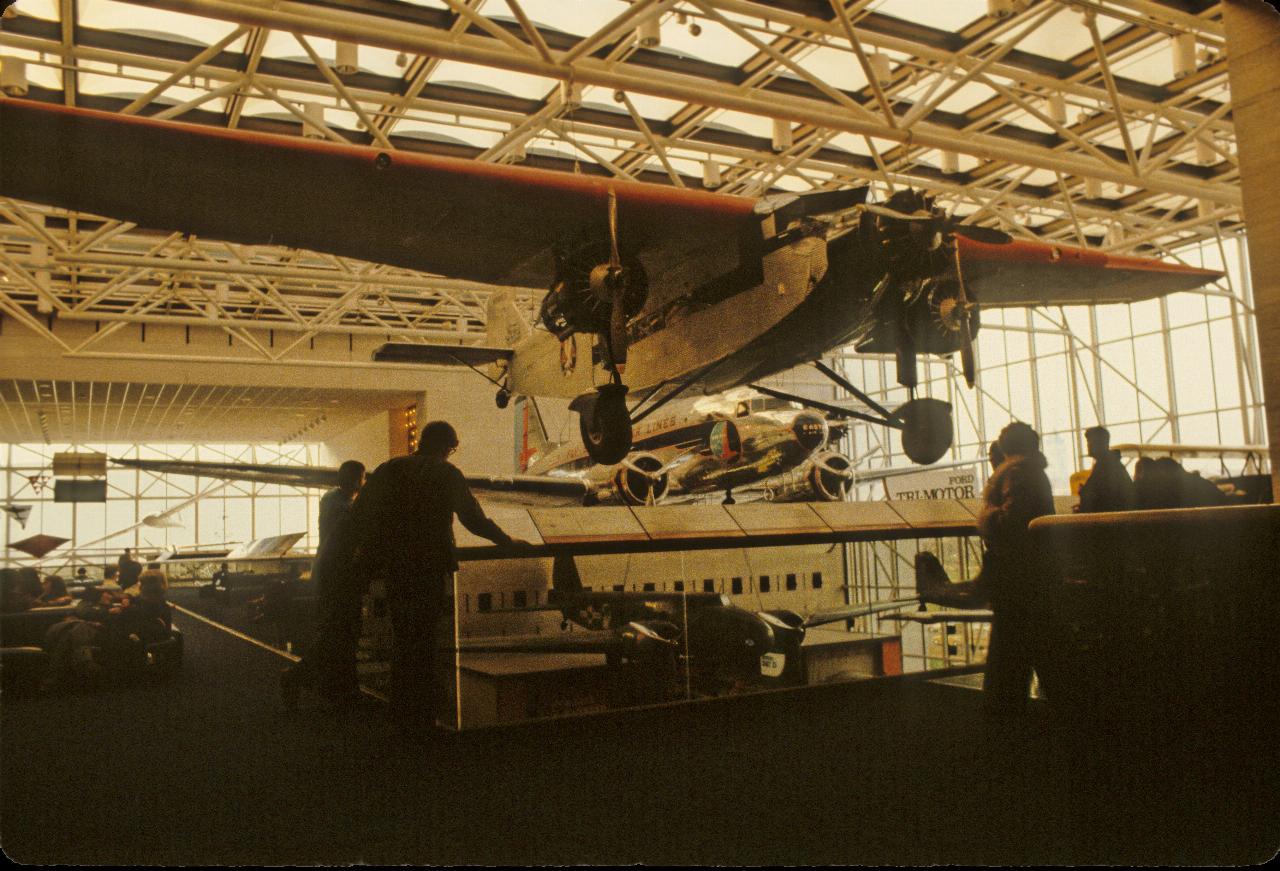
pixel 55 591
pixel 14 597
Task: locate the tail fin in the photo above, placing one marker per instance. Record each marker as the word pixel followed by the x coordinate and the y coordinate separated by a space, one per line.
pixel 531 433
pixel 565 580
pixel 506 325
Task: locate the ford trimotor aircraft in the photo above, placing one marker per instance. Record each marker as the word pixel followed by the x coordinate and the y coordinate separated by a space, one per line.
pixel 653 290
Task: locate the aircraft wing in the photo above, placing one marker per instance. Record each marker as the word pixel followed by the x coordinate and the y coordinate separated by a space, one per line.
pixel 439 354
pixel 561 642
pixel 852 612
pixel 528 489
pixel 942 616
pixel 1028 273
pixel 295 476
pixel 519 489
pixel 467 219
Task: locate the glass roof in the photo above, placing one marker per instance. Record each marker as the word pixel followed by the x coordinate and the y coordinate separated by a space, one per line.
pixel 466 103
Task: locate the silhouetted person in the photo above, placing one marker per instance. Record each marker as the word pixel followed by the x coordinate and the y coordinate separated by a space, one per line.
pixel 994 455
pixel 336 504
pixel 1163 483
pixel 405 517
pixel 129 569
pixel 222 578
pixel 14 597
pixel 1015 573
pixel 55 591
pixel 329 663
pixel 1109 487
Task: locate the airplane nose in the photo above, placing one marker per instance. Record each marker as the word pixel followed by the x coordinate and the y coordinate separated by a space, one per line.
pixel 810 430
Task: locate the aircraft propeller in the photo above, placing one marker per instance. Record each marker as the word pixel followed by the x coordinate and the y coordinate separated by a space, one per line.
pixel 609 284
pixel 834 469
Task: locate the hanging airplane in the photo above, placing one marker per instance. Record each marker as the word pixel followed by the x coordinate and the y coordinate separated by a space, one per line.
pixel 653 289
pixel 708 445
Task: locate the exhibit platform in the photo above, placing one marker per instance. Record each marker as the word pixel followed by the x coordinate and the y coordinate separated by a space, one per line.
pixel 209 769
pixel 505 688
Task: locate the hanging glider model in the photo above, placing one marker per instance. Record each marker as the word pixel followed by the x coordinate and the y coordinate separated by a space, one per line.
pixel 653 290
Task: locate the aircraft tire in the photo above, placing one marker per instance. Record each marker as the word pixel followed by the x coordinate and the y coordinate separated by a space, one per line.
pixel 926 429
pixel 605 426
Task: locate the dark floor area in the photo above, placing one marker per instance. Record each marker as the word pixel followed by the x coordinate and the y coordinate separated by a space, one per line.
pixel 209 769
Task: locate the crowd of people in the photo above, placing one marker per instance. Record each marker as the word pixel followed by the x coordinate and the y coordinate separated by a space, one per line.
pixel 108 626
pixel 396 527
pixel 1016 574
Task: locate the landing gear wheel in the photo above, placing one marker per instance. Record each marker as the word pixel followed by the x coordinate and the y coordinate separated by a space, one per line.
pixel 605 425
pixel 503 397
pixel 926 429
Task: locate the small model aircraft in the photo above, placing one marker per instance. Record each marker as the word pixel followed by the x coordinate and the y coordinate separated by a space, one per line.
pixel 709 445
pixel 719 642
pixel 653 290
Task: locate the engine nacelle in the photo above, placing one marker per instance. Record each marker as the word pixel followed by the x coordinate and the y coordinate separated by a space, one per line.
pixel 640 480
pixel 825 476
pixel 728 642
pixel 573 306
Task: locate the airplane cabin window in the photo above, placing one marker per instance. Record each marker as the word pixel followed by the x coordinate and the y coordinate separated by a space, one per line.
pixel 791 582
pixel 816 581
pixel 765 585
pixel 737 586
pixel 484 602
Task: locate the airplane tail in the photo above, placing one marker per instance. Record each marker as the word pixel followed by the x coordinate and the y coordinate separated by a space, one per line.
pixel 565 579
pixel 531 433
pixel 505 324
pixel 931 577
pixel 936 588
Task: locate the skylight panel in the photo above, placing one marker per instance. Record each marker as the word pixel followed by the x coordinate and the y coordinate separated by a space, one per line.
pixel 579 17
pixel 792 183
pixel 966 97
pixel 46 9
pixel 429 130
pixel 1153 65
pixel 113 15
pixel 516 84
pixel 750 124
pixel 951 16
pixel 714 42
pixel 836 67
pixel 1064 35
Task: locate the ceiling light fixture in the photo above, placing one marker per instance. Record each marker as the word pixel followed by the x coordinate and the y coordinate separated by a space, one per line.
pixel 346 58
pixel 13 76
pixel 649 33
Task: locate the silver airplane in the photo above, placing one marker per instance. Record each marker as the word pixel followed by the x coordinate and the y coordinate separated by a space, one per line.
pixel 708 445
pixel 712 444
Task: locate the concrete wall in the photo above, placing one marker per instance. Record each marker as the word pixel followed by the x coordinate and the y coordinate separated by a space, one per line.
pixel 485 432
pixel 1253 55
pixel 366 442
